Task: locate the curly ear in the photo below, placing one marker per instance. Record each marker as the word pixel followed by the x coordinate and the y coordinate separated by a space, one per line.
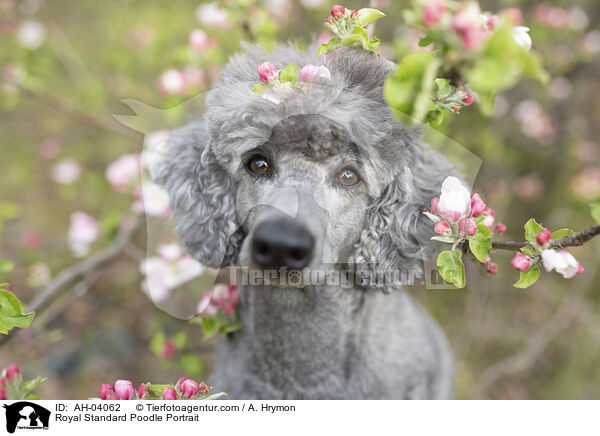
pixel 396 238
pixel 202 195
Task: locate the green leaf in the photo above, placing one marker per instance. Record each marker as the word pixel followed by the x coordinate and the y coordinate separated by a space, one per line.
pixel 191 364
pixel 408 90
pixel 6 266
pixel 367 16
pixel 532 228
pixel 209 327
pixel 180 339
pixel 290 74
pixel 596 210
pixel 528 278
pixel 561 233
pixel 435 117
pixel 353 39
pixel 529 251
pixel 451 268
pixel 372 44
pixel 157 343
pixel 332 45
pixel 158 389
pixel 432 217
pixel 230 328
pixel 481 243
pixel 30 385
pixel 259 88
pixel 11 314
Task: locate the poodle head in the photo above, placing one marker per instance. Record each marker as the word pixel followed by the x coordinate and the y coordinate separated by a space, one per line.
pixel 324 178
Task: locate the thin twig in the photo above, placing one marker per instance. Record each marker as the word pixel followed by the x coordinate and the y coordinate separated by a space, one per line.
pixel 575 240
pixel 67 108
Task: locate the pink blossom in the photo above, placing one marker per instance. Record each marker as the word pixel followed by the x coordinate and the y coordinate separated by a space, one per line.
pixel 513 15
pixel 492 22
pixel 543 237
pixel 467 24
pixel 169 252
pixel 338 11
pixel 468 100
pixel 205 307
pixel 156 148
pixel 434 206
pixel 500 228
pixel 12 371
pixel 105 391
pixel 477 205
pixel 83 231
pixel 189 388
pixel 433 12
pixel 493 269
pixel 124 172
pixel 309 73
pixel 50 148
pixel 211 15
pixel 67 171
pixel 488 261
pixel 2 394
pixel 155 200
pixel 169 349
pixel 173 82
pixel 442 228
pixel 562 262
pixel 194 76
pixel 467 226
pixel 141 391
pixel 267 72
pixel 455 200
pixel 199 40
pixel 169 394
pixel 124 389
pixel 521 262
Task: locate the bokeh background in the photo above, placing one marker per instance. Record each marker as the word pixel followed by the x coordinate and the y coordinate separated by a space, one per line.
pixel 67 65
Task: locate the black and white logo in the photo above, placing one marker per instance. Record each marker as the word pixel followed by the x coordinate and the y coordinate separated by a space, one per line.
pixel 26 415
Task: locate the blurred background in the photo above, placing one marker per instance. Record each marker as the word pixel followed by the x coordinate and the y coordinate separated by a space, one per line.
pixel 68 193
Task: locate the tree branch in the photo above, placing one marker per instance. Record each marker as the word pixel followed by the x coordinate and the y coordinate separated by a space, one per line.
pixel 575 240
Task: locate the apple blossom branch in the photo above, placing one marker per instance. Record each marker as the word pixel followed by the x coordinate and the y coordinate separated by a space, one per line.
pixel 83 271
pixel 574 240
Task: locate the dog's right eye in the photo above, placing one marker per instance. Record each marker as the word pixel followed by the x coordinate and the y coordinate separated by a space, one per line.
pixel 259 165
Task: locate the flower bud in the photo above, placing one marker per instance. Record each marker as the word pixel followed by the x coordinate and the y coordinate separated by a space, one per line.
pixel 267 71
pixel 310 72
pixel 477 205
pixel 521 262
pixel 105 391
pixel 467 226
pixel 468 100
pixel 189 388
pixel 2 394
pixel 12 371
pixel 433 12
pixel 124 389
pixel 354 14
pixel 455 200
pixel 169 394
pixel 492 22
pixel 338 11
pixel 434 205
pixel 181 380
pixel 488 261
pixel 500 228
pixel 141 391
pixel 543 237
pixel 442 228
pixel 199 40
pixel 493 269
pixel 112 397
pixel 169 348
pixel 203 387
pixel 580 269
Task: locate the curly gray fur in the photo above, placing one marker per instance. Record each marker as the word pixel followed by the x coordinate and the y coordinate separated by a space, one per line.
pixel 316 342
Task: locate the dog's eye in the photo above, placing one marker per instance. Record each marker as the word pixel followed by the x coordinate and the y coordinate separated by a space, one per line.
pixel 259 165
pixel 348 177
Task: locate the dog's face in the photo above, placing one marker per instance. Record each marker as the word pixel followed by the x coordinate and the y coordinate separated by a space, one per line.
pixel 327 178
pixel 302 196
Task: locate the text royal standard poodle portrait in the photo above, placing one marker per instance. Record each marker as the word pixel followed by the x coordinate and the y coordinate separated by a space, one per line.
pixel 322 178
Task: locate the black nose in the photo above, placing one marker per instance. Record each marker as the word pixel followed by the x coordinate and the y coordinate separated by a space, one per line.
pixel 282 242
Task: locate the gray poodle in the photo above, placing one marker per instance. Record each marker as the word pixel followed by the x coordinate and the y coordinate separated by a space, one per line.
pixel 327 181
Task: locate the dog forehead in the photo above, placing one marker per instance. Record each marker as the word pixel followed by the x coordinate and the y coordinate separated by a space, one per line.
pixel 314 136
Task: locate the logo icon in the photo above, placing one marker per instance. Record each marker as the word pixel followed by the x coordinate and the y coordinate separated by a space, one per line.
pixel 26 415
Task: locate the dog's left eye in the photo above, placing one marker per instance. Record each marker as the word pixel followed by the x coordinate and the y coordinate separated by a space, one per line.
pixel 348 177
